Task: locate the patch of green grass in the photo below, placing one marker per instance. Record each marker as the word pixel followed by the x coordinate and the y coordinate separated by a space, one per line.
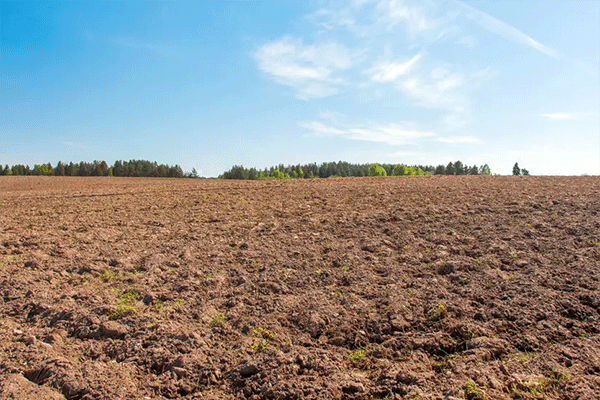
pixel 473 392
pixel 108 276
pixel 534 389
pixel 125 305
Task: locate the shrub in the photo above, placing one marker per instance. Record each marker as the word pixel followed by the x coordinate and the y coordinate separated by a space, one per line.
pixel 376 170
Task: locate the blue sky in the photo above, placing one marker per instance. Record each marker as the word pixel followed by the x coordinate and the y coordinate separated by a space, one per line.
pixel 213 84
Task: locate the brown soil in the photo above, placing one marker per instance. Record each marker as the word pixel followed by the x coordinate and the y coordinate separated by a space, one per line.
pixel 397 288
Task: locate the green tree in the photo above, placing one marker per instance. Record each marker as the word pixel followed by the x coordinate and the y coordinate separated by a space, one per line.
pixel 60 169
pixel 7 170
pixel 524 172
pixel 516 170
pixel 450 169
pixel 42 169
pixel 485 170
pixel 376 170
pixel 400 170
pixel 194 173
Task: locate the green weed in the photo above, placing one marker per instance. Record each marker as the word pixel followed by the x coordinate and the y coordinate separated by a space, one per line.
pixel 358 356
pixel 438 312
pixel 473 392
pixel 219 320
pixel 126 305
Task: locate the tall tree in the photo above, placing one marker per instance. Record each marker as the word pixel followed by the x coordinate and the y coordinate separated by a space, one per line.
pixel 516 170
pixel 60 169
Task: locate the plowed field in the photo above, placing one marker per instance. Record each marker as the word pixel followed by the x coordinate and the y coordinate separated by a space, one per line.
pixel 369 288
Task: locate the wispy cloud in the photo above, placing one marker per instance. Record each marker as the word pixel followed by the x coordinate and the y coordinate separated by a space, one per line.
pixel 459 140
pixel 390 71
pixel 503 29
pixel 415 18
pixel 312 70
pixel 561 116
pixel 392 134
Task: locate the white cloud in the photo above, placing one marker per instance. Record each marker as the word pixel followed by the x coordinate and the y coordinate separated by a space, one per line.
pixel 561 116
pixel 390 71
pixel 509 32
pixel 392 134
pixel 440 88
pixel 394 12
pixel 310 70
pixel 459 140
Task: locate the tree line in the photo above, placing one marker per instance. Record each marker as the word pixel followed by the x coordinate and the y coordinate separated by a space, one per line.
pixel 345 169
pixel 131 168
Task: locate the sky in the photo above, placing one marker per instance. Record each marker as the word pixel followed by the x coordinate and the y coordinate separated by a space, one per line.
pixel 209 85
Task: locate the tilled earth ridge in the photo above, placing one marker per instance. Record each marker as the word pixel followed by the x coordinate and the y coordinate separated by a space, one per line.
pixel 358 288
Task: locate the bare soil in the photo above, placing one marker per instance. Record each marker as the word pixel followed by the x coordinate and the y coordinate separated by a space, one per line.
pixel 368 288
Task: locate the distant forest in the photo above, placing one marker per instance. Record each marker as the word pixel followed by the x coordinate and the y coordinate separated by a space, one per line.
pixel 342 168
pixel 135 168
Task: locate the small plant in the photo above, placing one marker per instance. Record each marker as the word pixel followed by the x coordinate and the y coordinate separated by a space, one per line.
pixel 558 378
pixel 473 392
pixel 357 356
pixel 345 269
pixel 529 390
pixel 440 367
pixel 411 292
pixel 261 339
pixel 319 272
pixel 515 255
pixel 108 276
pixel 259 344
pixel 126 305
pixel 438 312
pixel 219 320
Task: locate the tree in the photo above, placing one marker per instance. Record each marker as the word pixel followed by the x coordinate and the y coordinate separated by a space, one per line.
pixel 376 170
pixel 60 169
pixel 194 173
pixel 440 170
pixel 524 172
pixel 450 169
pixel 400 170
pixel 516 170
pixel 42 169
pixel 485 170
pixel 458 168
pixel 7 171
